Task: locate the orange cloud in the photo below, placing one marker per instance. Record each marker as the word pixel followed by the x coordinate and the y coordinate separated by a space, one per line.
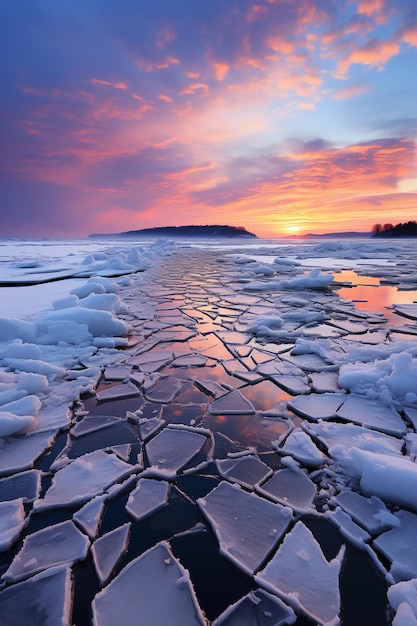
pixel 374 53
pixel 409 35
pixel 221 70
pixel 368 7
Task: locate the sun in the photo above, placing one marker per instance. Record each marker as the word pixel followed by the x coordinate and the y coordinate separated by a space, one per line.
pixel 293 230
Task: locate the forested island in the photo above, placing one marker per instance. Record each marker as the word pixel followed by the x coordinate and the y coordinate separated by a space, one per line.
pixel 183 231
pixel 408 229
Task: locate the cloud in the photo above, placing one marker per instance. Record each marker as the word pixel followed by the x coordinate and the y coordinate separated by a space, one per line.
pixel 352 91
pixel 150 110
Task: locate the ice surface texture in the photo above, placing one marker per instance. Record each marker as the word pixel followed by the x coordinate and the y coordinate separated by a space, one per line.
pixel 205 408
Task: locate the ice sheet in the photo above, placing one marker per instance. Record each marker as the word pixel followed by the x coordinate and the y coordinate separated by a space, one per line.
pixel 108 549
pixel 154 586
pixel 301 575
pixel 248 528
pixel 148 496
pixel 70 546
pixel 47 599
pixel 86 477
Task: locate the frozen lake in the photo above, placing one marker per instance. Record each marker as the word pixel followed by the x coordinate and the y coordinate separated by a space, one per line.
pixel 208 432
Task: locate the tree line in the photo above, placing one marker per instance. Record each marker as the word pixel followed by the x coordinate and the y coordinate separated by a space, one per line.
pixel 407 229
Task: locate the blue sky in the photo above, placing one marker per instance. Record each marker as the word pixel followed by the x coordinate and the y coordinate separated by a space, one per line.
pixel 283 117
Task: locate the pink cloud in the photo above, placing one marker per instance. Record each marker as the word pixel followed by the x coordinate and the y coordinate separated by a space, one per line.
pixel 97 81
pixel 352 91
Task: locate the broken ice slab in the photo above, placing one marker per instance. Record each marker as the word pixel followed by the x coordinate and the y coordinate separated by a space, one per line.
pixel 290 487
pixel 300 574
pixel 122 451
pixel 371 512
pixel 25 485
pixel 406 310
pixel 51 546
pixel 233 403
pixel 323 382
pixel 349 327
pixel 320 406
pixel 148 427
pixel 233 337
pixel 403 599
pixel 372 414
pixel 165 390
pixel 169 451
pixel 118 392
pixel 300 446
pixel 348 528
pixel 309 362
pixel 247 528
pixel 107 551
pixel 117 372
pixel 190 360
pixel 392 478
pixel 153 586
pixel 400 547
pixel 12 521
pixel 177 333
pixel 294 385
pixel 341 438
pixel 91 423
pixel 258 608
pixel 89 516
pixel 212 388
pixel 137 377
pixel 246 470
pixel 88 476
pixel 47 599
pixel 148 497
pixel 20 453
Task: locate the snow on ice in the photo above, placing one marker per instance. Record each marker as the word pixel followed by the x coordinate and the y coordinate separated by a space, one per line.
pixel 161 394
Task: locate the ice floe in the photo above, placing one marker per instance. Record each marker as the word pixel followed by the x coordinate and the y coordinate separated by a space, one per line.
pixel 290 486
pixel 108 549
pixel 148 496
pixel 301 575
pixel 47 599
pixel 70 546
pixel 258 607
pixel 248 528
pixel 86 477
pixel 154 586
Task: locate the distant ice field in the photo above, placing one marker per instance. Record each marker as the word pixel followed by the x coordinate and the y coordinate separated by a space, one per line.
pixel 208 432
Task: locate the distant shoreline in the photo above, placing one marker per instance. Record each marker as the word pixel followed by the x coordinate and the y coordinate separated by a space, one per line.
pixel 182 231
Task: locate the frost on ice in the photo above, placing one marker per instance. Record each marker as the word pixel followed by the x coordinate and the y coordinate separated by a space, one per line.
pixel 47 599
pixel 301 575
pixel 148 496
pixel 70 546
pixel 259 608
pixel 107 551
pixel 154 586
pixel 87 476
pixel 248 528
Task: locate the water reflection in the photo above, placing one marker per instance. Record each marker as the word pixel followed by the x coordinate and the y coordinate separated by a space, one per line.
pixel 248 430
pixel 368 294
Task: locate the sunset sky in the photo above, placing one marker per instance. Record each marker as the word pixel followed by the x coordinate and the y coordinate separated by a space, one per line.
pixel 285 117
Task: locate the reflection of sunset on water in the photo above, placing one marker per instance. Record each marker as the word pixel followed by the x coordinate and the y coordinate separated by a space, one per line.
pixel 367 293
pixel 248 430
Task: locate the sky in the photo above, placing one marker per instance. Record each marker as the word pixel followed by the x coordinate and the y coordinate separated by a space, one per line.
pixel 284 117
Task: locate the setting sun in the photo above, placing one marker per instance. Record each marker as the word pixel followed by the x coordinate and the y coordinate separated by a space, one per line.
pixel 292 230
